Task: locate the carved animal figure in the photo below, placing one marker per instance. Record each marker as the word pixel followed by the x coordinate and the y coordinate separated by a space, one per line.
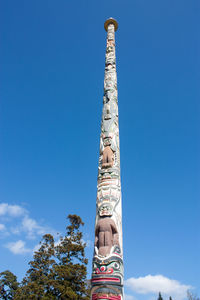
pixel 106 236
pixel 108 157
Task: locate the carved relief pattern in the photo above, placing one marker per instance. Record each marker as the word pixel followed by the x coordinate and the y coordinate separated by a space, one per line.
pixel 107 273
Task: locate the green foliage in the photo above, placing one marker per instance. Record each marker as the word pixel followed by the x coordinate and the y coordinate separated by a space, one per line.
pixel 170 298
pixel 35 285
pixel 57 271
pixel 8 285
pixel 70 267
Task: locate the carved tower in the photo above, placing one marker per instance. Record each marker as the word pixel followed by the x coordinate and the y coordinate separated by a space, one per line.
pixel 107 269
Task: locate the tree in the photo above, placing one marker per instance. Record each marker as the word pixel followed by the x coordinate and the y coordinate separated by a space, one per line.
pixel 159 296
pixel 170 298
pixel 8 285
pixel 58 271
pixel 71 263
pixel 36 284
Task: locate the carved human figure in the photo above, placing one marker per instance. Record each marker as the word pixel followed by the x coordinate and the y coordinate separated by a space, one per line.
pixel 106 236
pixel 110 43
pixel 108 157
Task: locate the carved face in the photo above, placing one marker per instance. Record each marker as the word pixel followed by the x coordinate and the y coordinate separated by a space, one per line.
pixel 112 268
pixel 105 210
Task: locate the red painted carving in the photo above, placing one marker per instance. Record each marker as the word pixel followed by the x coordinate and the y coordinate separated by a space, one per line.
pixel 102 271
pixel 105 296
pixel 109 279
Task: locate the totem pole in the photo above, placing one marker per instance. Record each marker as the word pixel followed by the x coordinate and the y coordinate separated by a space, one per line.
pixel 107 269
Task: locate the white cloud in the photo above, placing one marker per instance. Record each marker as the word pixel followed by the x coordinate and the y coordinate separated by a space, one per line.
pixel 129 297
pixel 158 283
pixel 32 228
pixel 18 247
pixel 18 222
pixel 24 224
pixel 2 227
pixel 11 210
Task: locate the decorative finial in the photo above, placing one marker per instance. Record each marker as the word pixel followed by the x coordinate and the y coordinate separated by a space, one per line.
pixel 110 21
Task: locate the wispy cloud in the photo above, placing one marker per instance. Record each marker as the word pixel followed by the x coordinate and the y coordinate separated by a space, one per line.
pixel 23 224
pixel 129 297
pixel 2 227
pixel 158 283
pixel 32 228
pixel 18 247
pixel 11 210
pixel 17 221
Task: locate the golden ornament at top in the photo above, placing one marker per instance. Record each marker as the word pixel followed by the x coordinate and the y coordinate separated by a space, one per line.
pixel 110 21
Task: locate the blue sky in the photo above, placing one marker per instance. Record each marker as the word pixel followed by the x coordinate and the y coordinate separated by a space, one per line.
pixel 52 68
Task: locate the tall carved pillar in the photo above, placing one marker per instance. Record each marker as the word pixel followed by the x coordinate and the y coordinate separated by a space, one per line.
pixel 107 270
